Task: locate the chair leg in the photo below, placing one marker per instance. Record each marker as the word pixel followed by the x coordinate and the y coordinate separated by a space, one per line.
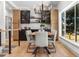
pixel 28 47
pixel 35 51
pixel 50 47
pixel 54 47
pixel 47 50
pixel 33 46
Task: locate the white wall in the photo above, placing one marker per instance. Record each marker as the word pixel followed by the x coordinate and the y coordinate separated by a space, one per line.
pixel 9 14
pixel 8 9
pixel 63 4
pixel 33 26
pixel 2 21
pixel 1 15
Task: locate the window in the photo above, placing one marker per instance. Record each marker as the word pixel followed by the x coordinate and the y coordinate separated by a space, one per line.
pixel 63 24
pixel 77 21
pixel 70 23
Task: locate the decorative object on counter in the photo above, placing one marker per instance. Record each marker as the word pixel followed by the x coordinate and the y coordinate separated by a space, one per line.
pixel 42 27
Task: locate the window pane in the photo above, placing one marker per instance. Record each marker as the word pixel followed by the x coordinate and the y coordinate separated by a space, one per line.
pixel 63 23
pixel 77 21
pixel 70 24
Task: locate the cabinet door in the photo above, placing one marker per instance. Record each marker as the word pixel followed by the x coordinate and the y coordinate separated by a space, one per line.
pixel 16 18
pixel 25 16
pixel 22 35
pixel 54 20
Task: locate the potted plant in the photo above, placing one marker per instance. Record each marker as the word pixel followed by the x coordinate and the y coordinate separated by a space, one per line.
pixel 42 26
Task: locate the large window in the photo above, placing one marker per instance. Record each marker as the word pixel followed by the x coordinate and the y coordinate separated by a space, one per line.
pixel 70 23
pixel 63 24
pixel 77 21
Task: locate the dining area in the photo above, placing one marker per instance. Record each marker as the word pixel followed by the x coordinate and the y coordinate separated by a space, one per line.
pixel 36 30
pixel 41 41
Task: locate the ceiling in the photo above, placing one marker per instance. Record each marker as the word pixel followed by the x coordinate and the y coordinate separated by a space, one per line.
pixel 30 5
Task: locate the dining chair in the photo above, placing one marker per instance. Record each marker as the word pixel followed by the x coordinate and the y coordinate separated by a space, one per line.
pixel 41 41
pixel 52 39
pixel 30 39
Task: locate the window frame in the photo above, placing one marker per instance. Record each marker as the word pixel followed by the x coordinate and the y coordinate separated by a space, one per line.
pixel 75 19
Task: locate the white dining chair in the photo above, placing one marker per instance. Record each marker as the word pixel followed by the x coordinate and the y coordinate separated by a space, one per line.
pixel 30 39
pixel 52 39
pixel 41 41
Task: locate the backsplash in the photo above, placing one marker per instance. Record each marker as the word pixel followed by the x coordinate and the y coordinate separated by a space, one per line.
pixel 33 26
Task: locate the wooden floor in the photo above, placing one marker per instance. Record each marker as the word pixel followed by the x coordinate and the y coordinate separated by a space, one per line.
pixel 20 51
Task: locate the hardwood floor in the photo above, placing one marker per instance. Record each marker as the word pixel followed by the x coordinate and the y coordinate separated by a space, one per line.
pixel 21 51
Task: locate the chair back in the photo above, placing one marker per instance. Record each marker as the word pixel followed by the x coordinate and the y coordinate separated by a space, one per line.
pixel 41 39
pixel 28 32
pixel 54 32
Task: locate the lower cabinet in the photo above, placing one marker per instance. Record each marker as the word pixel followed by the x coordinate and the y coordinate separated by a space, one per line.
pixel 22 35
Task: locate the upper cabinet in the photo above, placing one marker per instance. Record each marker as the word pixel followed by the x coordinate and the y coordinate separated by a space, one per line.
pixel 54 19
pixel 25 16
pixel 16 22
pixel 46 16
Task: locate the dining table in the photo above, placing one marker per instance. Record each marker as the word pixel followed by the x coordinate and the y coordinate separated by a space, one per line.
pixel 34 33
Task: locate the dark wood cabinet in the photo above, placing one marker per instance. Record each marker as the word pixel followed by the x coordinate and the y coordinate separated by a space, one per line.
pixel 22 35
pixel 24 19
pixel 0 38
pixel 25 16
pixel 45 16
